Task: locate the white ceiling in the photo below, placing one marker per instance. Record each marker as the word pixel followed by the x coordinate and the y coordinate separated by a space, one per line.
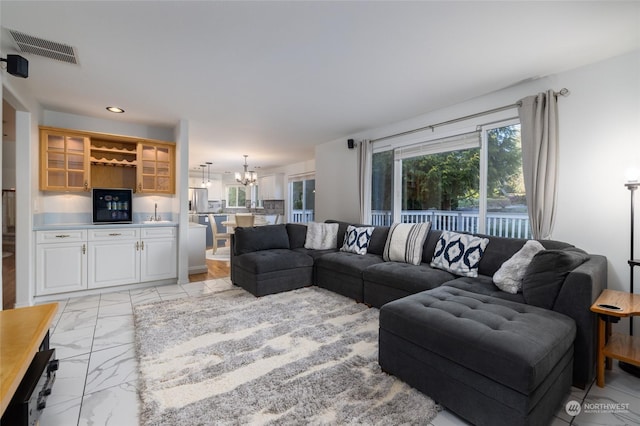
pixel 274 79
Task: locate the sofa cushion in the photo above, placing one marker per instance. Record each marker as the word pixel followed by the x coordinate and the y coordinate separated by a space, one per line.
pixel 406 277
pixel 263 261
pixel 321 236
pixel 500 249
pixel 257 238
pixel 459 253
pixel 484 285
pixel 514 344
pixel 546 273
pixel 405 242
pixel 347 263
pixel 297 233
pixel 356 239
pixel 509 277
pixel 314 253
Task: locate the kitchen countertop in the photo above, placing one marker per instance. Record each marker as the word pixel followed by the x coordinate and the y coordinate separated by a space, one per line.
pixel 53 226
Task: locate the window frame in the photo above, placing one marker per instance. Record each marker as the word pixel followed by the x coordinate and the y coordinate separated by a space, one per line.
pixel 430 144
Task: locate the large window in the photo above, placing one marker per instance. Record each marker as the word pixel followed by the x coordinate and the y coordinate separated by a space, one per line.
pixel 236 196
pixel 302 195
pixel 470 183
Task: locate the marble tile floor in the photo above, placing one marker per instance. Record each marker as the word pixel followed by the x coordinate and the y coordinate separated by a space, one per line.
pixel 96 383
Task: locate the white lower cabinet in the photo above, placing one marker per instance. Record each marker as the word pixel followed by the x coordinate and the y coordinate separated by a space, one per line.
pixel 97 258
pixel 114 257
pixel 61 261
pixel 158 254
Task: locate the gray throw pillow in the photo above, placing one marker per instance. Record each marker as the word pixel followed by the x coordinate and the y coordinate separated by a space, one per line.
pixel 509 277
pixel 257 238
pixel 546 274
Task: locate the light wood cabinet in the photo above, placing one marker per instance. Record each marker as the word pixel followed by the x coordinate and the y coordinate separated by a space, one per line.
pixel 156 168
pixel 64 161
pixel 77 161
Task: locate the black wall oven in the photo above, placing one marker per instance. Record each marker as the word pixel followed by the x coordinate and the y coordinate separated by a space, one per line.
pixel 112 205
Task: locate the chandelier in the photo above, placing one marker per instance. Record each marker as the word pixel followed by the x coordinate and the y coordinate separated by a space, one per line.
pixel 246 178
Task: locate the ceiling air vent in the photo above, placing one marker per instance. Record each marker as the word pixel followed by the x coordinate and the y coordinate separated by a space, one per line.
pixel 41 47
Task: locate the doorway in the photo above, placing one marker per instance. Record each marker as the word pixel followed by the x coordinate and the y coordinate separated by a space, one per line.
pixel 8 206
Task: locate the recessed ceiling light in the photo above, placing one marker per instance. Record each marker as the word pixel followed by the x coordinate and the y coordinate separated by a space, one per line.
pixel 115 109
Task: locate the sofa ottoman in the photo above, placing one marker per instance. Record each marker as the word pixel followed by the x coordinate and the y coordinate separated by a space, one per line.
pixel 491 361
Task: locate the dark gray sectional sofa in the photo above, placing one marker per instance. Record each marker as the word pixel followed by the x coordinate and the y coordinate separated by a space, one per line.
pixel 551 324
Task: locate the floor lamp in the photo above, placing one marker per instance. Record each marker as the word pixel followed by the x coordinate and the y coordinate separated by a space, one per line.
pixel 633 262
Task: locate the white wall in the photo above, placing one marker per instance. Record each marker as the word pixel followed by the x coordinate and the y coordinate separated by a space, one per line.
pixel 599 128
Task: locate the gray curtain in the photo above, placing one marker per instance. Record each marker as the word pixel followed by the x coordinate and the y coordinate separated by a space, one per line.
pixel 539 133
pixel 364 177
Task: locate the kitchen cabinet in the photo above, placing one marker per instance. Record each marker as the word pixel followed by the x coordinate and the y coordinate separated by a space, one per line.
pixel 156 168
pixel 270 187
pixel 75 260
pixel 158 254
pixel 73 160
pixel 61 261
pixel 114 257
pixel 64 161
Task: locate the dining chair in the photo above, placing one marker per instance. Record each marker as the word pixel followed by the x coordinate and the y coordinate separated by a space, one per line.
pixel 244 219
pixel 217 236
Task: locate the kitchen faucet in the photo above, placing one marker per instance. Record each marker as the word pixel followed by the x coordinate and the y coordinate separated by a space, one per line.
pixel 155 216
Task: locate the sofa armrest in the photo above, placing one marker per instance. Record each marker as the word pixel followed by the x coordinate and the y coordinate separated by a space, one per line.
pixel 580 289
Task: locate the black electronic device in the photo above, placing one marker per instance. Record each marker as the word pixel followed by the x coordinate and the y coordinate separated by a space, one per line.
pixel 17 65
pixel 351 144
pixel 30 398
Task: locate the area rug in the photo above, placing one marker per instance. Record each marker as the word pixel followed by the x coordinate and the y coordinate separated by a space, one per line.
pixel 307 356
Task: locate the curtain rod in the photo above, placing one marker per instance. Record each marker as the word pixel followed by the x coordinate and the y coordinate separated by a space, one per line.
pixel 562 92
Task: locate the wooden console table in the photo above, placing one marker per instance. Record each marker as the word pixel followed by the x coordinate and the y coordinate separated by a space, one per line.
pixel 619 346
pixel 23 331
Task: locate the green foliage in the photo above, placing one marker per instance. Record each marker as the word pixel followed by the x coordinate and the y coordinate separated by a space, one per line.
pixel 450 180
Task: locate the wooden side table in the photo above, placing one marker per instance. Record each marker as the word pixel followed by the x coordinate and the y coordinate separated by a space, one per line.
pixel 22 333
pixel 615 346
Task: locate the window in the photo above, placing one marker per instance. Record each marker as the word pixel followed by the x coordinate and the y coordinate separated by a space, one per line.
pixel 236 196
pixel 302 200
pixel 454 183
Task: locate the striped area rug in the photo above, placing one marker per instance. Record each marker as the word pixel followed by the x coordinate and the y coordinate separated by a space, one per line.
pixel 307 356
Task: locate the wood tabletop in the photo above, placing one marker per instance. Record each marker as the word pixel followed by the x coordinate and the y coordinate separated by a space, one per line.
pixel 22 330
pixel 628 303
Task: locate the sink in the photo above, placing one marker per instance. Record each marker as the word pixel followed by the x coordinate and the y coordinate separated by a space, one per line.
pixel 151 222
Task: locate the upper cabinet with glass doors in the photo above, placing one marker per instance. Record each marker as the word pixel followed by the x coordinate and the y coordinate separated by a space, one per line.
pixel 77 161
pixel 64 161
pixel 156 165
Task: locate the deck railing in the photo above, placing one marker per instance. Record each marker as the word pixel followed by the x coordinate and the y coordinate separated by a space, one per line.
pixel 302 216
pixel 510 225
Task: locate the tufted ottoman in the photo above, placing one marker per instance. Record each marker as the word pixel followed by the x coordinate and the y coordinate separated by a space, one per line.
pixel 491 361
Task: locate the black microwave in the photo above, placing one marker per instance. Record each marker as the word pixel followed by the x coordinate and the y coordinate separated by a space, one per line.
pixel 112 205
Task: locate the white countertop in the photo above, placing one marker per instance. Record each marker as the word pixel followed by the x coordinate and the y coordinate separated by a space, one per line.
pixel 53 226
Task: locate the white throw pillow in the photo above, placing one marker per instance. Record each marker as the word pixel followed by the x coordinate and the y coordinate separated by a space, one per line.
pixel 459 253
pixel 321 236
pixel 356 240
pixel 509 277
pixel 404 242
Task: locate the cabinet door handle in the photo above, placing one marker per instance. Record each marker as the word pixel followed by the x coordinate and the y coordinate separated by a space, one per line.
pixel 63 236
pixel 86 186
pixel 84 249
pixel 142 245
pixel 137 245
pixel 115 234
